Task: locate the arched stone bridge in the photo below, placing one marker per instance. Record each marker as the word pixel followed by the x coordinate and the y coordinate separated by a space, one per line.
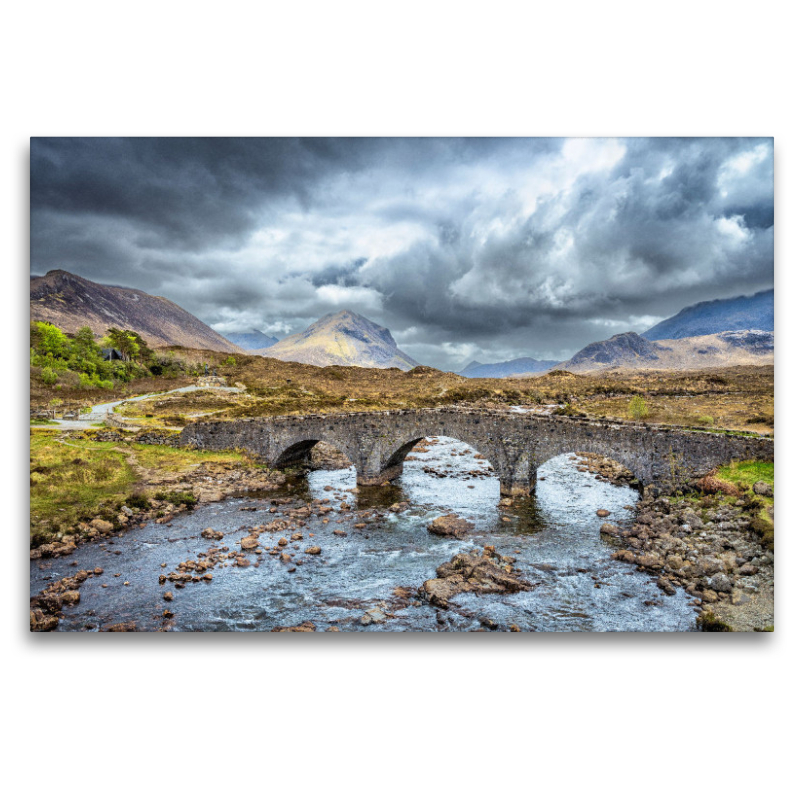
pixel 516 445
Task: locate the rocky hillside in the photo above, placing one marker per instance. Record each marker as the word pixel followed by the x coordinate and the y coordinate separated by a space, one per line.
pixel 505 369
pixel 70 302
pixel 251 340
pixel 631 351
pixel 755 313
pixel 344 338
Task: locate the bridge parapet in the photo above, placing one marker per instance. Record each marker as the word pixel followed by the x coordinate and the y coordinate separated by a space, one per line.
pixel 516 445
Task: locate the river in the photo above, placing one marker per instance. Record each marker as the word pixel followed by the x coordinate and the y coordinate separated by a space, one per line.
pixel 555 538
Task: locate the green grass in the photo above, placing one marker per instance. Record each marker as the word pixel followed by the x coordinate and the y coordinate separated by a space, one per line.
pixel 41 422
pixel 744 474
pixel 176 459
pixel 748 472
pixel 71 484
pixel 78 480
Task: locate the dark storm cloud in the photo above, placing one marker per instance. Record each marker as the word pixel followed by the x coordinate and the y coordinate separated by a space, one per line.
pixel 339 274
pixel 465 248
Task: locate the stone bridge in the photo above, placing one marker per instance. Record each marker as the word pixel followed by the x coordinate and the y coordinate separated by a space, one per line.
pixel 516 445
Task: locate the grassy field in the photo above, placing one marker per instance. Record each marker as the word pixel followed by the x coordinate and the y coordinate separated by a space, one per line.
pixel 76 480
pixel 70 484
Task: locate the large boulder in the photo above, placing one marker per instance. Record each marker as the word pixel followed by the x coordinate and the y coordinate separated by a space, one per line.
pixel 762 488
pixel 450 525
pixel 650 560
pixel 706 565
pixel 102 525
pixel 720 582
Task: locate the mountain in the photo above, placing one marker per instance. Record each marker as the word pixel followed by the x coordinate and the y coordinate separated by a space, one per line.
pixel 69 301
pixel 631 351
pixel 504 369
pixel 251 340
pixel 754 313
pixel 343 338
pixel 470 366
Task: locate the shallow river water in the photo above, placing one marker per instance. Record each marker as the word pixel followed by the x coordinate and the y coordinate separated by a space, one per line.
pixel 554 537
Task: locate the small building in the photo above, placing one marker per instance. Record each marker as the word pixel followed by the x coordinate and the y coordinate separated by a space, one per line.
pixel 111 354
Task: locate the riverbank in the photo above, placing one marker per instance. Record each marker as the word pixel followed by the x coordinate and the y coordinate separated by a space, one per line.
pixel 715 543
pixel 91 484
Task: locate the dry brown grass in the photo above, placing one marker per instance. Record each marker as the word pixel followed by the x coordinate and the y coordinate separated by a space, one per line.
pixel 735 398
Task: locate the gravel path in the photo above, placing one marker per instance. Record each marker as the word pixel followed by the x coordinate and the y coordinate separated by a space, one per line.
pixel 97 412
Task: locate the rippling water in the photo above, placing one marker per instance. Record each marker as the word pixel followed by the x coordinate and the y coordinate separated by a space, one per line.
pixel 554 537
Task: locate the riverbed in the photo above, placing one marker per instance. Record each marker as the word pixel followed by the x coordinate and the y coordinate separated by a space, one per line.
pixel 375 569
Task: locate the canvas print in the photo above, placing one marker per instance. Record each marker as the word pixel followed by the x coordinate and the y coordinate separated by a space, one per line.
pixel 401 385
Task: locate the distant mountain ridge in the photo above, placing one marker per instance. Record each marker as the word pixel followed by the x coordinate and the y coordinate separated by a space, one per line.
pixel 70 302
pixel 251 340
pixel 631 351
pixel 755 313
pixel 504 369
pixel 345 339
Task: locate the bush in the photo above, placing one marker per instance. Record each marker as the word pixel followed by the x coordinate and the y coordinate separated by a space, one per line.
pixel 709 623
pixel 710 484
pixel 637 408
pixel 137 500
pixel 178 498
pixel 706 420
pixel 765 532
pixel 49 376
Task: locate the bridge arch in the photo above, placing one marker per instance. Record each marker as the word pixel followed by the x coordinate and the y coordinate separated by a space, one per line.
pixel 298 452
pixel 391 467
pixel 612 456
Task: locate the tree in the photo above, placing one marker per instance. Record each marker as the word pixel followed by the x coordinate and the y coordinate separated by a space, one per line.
pixel 52 340
pixel 124 341
pixel 145 352
pixel 84 341
pixel 637 407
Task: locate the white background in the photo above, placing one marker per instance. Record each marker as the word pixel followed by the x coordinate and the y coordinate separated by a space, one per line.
pixel 391 716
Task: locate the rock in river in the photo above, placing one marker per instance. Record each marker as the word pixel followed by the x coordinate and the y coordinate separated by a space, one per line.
pixel 450 525
pixel 477 572
pixel 303 627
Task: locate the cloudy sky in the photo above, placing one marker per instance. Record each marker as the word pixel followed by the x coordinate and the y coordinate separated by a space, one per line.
pixel 485 249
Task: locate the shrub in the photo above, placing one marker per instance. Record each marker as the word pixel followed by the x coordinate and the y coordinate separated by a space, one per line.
pixel 637 408
pixel 49 376
pixel 706 420
pixel 709 623
pixel 137 500
pixel 178 498
pixel 710 484
pixel 761 419
pixel 765 532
